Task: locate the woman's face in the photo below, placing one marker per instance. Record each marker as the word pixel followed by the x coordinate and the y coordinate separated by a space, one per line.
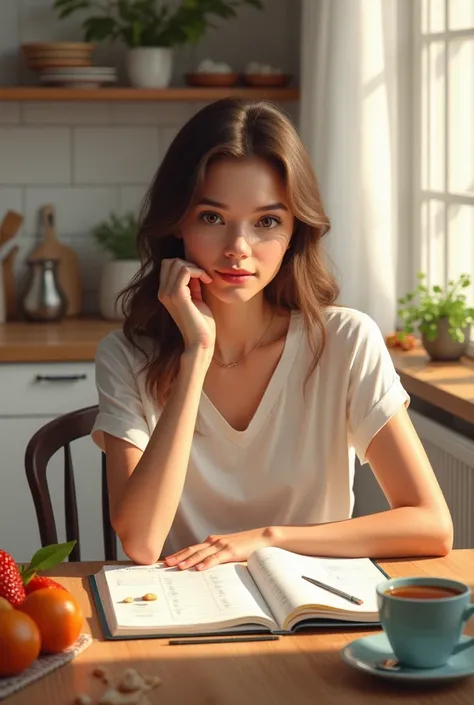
pixel 240 227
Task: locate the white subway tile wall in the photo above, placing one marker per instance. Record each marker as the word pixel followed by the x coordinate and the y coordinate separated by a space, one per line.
pixel 11 197
pixel 45 113
pixel 91 158
pixel 131 198
pixel 108 155
pixel 9 41
pixel 78 208
pixel 9 113
pixel 161 114
pixel 35 155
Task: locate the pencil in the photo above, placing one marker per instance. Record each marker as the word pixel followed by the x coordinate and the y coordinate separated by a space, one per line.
pixel 335 591
pixel 222 640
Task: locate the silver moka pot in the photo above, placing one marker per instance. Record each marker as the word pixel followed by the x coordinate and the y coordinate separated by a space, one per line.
pixel 44 299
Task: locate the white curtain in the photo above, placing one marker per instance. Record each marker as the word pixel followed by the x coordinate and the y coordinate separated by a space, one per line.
pixel 349 123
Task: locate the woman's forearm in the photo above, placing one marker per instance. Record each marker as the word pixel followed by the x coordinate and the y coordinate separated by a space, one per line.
pixel 147 509
pixel 404 531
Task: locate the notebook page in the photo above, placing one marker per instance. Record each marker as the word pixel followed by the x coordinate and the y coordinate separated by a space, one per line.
pixel 278 574
pixel 187 597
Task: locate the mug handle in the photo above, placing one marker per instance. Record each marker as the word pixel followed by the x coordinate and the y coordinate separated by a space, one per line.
pixel 468 612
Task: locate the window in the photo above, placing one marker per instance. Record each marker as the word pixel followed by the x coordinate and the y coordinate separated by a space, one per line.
pixel 444 140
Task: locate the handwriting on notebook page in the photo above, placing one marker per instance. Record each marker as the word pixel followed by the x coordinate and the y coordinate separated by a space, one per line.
pixel 186 596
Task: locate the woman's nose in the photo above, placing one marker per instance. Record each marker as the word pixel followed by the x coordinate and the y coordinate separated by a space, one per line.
pixel 237 244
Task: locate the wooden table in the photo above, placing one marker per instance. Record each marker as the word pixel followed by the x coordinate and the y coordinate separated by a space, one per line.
pixel 296 670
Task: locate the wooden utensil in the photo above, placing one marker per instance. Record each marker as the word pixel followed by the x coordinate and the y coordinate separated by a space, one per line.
pixel 9 227
pixel 68 270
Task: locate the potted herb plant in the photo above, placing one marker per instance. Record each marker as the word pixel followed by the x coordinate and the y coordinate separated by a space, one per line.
pixel 150 29
pixel 118 236
pixel 442 316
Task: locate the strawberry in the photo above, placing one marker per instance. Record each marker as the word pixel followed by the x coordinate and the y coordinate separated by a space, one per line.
pixel 16 583
pixel 41 581
pixel 11 581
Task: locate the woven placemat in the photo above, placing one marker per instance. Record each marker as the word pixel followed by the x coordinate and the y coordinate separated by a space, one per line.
pixel 43 665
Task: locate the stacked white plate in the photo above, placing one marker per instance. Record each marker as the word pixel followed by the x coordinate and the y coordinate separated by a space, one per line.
pixel 79 77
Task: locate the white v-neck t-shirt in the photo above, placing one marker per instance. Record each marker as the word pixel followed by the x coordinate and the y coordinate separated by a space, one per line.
pixel 294 464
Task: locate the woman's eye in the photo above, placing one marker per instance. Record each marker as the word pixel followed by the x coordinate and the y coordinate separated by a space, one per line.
pixel 268 221
pixel 210 218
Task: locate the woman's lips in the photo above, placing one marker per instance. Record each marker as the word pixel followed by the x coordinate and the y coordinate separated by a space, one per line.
pixel 235 278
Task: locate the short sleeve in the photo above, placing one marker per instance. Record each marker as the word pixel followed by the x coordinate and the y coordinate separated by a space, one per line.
pixel 375 391
pixel 121 411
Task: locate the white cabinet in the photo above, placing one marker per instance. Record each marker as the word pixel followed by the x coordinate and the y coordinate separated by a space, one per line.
pixel 46 389
pixel 30 396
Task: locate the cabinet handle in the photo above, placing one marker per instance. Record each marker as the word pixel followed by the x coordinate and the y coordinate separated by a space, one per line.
pixel 60 378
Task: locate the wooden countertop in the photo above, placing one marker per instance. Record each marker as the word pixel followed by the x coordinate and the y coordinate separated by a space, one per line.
pixel 72 340
pixel 447 385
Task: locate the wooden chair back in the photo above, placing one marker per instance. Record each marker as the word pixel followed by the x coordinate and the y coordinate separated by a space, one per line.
pixel 60 433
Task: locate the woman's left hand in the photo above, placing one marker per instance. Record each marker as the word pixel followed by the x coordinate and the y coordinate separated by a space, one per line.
pixel 226 548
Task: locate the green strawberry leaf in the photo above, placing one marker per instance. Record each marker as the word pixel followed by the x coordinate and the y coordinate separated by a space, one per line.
pixel 46 557
pixel 49 556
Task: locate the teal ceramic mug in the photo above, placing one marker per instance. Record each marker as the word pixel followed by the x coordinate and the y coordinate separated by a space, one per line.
pixel 423 618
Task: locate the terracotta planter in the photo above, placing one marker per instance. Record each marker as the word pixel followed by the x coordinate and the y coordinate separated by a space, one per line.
pixel 116 275
pixel 444 347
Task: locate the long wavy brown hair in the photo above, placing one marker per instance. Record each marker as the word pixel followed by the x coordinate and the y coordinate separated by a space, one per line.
pixel 239 129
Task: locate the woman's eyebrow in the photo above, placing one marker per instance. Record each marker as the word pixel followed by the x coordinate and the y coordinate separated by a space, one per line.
pixel 217 204
pixel 210 202
pixel 273 207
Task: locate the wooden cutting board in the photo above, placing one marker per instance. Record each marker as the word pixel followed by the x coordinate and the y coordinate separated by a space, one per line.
pixel 9 227
pixel 69 274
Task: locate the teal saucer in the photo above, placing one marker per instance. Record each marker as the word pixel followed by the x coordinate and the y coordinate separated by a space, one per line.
pixel 366 653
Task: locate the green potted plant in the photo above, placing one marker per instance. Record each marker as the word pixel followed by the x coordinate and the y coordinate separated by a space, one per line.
pixel 150 29
pixel 442 316
pixel 117 235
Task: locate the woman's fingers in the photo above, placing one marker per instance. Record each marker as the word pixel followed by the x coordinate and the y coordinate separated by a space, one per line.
pixel 175 274
pixel 180 293
pixel 180 265
pixel 183 280
pixel 185 553
pixel 198 557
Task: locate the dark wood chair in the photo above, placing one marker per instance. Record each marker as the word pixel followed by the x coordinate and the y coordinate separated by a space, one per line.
pixel 56 434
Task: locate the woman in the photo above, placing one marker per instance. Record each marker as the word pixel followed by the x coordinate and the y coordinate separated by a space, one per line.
pixel 234 401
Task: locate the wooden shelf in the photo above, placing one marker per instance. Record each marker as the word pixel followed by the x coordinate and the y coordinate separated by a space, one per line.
pixel 38 93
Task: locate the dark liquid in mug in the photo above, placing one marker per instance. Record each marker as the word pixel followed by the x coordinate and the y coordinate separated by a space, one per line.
pixel 422 592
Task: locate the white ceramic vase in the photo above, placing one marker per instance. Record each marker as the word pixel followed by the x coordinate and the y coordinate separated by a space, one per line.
pixel 116 275
pixel 150 67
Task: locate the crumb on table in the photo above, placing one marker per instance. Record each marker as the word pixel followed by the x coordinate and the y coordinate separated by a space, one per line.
pixel 83 699
pixel 128 689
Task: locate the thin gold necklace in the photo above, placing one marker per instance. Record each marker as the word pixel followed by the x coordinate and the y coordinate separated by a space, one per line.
pixel 237 362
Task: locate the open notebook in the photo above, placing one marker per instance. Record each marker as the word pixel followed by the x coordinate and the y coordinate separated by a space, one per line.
pixel 268 594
